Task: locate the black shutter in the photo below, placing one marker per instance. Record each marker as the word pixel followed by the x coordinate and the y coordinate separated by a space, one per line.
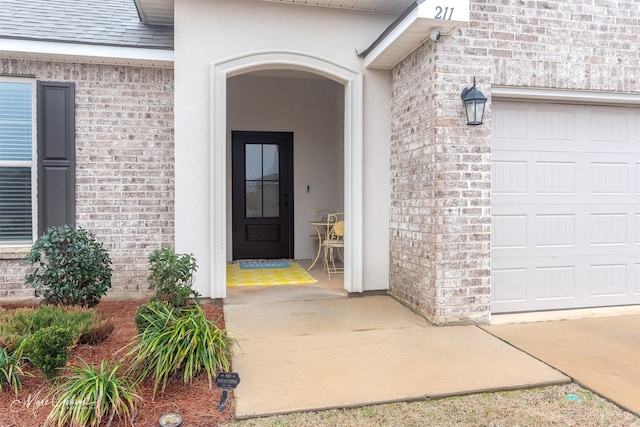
pixel 56 154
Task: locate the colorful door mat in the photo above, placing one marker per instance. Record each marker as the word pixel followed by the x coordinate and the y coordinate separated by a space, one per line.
pixel 263 263
pixel 292 275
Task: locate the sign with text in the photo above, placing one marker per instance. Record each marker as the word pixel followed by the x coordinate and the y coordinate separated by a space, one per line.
pixel 450 10
pixel 227 380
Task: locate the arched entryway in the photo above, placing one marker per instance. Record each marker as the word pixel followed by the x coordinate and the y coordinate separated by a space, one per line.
pixel 353 154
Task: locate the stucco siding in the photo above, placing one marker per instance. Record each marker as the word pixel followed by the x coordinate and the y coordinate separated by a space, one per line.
pixel 230 29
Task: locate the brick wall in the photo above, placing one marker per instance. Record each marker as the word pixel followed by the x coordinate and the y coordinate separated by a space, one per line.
pixel 124 165
pixel 441 169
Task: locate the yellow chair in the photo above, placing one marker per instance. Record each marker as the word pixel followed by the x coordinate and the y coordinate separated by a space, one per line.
pixel 333 242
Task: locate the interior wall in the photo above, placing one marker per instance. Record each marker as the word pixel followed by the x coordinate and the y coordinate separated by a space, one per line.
pixel 313 109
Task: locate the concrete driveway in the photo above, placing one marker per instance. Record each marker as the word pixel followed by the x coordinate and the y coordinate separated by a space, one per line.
pixel 602 354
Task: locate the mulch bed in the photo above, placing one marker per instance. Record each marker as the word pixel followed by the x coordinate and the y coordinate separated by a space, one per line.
pixel 197 402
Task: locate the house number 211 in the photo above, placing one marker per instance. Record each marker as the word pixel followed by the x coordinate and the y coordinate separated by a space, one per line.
pixel 444 13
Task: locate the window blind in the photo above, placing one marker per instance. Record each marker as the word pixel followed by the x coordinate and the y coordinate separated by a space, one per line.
pixel 16 148
pixel 15 204
pixel 16 121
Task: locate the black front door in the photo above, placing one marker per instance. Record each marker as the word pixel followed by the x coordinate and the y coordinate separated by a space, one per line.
pixel 262 192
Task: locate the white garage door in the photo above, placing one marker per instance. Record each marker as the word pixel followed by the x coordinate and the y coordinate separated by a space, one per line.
pixel 565 206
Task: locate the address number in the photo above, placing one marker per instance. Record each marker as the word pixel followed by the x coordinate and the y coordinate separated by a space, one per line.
pixel 444 13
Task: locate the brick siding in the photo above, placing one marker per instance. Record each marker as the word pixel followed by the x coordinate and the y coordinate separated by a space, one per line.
pixel 124 165
pixel 440 222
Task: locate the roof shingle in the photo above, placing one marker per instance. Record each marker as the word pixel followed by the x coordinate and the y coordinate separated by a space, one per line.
pixel 99 22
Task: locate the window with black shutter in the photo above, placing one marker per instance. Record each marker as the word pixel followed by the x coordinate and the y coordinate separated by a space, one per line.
pixel 23 210
pixel 56 154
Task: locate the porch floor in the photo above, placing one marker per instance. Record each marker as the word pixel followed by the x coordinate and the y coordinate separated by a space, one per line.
pixel 326 288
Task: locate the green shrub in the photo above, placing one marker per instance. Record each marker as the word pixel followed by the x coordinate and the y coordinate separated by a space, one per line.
pixel 48 348
pixel 88 396
pixel 171 275
pixel 71 267
pixel 152 313
pixel 180 343
pixel 11 369
pixel 18 325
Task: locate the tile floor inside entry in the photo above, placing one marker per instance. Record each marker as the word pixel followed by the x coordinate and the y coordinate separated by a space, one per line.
pixel 325 288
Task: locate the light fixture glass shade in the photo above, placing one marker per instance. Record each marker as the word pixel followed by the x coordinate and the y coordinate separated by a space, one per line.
pixel 474 102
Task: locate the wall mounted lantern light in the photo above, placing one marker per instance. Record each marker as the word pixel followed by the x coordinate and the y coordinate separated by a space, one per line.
pixel 474 101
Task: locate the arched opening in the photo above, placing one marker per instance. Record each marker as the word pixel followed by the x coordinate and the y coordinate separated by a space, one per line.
pixel 352 156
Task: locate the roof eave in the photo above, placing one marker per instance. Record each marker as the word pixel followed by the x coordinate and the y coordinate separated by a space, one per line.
pixel 155 12
pixel 85 53
pixel 412 29
pixel 140 10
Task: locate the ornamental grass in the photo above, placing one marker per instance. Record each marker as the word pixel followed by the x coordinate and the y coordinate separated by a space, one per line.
pixel 179 343
pixel 89 396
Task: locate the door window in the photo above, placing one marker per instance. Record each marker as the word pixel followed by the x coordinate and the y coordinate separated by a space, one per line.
pixel 262 180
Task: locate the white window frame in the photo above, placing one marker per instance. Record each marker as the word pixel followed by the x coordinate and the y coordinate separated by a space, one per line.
pixel 33 164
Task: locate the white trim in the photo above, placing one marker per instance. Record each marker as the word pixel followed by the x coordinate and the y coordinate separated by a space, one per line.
pixel 556 315
pixel 353 147
pixel 354 184
pixel 565 96
pixel 91 53
pixel 217 183
pixel 34 160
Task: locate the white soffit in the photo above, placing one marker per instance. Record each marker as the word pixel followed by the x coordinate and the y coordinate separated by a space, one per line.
pixel 160 12
pixel 85 53
pixel 386 6
pixel 155 12
pixel 414 28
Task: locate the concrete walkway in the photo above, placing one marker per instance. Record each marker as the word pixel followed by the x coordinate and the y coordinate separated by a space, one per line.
pixel 602 354
pixel 313 351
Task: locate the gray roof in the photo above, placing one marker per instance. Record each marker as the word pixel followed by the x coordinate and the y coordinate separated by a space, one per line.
pixel 98 22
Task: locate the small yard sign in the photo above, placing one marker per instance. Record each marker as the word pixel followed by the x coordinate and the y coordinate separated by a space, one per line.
pixel 226 381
